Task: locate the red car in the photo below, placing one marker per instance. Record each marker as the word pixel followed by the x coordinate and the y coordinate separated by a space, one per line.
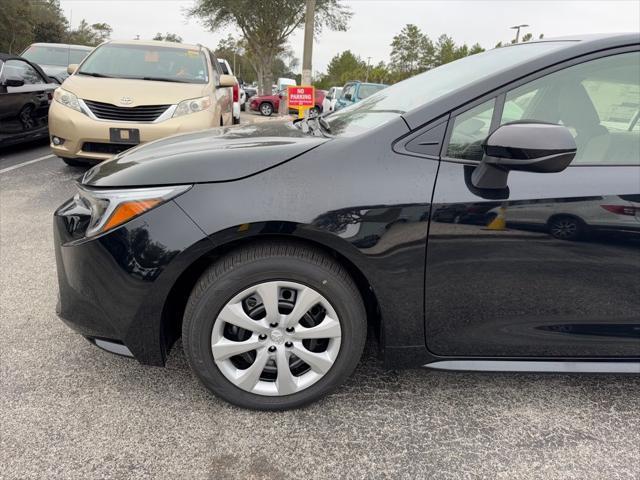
pixel 267 104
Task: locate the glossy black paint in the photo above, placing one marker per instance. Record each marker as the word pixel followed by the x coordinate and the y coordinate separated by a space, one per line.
pixel 219 155
pixel 409 226
pixel 24 109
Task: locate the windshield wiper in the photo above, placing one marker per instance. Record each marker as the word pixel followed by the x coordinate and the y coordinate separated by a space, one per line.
pixel 164 79
pixel 94 74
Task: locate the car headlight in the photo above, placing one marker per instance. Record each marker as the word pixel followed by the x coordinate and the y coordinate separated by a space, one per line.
pixel 111 208
pixel 67 99
pixel 192 105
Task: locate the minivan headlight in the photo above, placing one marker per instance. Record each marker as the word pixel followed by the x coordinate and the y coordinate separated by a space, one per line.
pixel 67 99
pixel 192 105
pixel 111 208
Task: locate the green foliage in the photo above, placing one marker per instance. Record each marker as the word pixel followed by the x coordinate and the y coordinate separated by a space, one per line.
pixel 28 21
pixel 168 37
pixel 25 21
pixel 411 51
pixel 91 35
pixel 266 26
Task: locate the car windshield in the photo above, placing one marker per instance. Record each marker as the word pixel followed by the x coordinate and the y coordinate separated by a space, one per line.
pixel 393 101
pixel 147 62
pixel 58 56
pixel 366 90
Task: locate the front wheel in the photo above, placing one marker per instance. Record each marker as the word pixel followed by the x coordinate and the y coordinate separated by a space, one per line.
pixel 564 227
pixel 266 109
pixel 274 326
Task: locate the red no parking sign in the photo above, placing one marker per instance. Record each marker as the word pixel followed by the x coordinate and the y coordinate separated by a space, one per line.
pixel 301 98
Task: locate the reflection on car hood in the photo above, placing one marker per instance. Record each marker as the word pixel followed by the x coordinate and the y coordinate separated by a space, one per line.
pixel 54 70
pixel 217 155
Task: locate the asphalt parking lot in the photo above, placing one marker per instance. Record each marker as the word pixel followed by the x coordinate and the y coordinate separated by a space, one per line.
pixel 70 410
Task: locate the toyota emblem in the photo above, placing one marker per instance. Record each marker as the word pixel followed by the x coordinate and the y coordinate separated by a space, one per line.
pixel 126 101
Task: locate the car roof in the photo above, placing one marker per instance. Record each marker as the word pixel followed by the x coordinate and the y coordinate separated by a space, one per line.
pixel 157 43
pixel 70 45
pixel 572 47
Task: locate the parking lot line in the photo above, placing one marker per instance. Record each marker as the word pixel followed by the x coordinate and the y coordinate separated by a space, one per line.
pixel 29 162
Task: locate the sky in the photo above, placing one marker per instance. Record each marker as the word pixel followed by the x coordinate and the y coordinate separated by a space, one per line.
pixel 375 22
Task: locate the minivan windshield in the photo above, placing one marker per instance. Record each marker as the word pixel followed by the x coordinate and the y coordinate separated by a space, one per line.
pixel 60 56
pixel 147 62
pixel 398 99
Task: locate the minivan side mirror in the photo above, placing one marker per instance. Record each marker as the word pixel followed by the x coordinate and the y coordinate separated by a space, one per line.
pixel 348 97
pixel 71 69
pixel 13 82
pixel 226 81
pixel 524 146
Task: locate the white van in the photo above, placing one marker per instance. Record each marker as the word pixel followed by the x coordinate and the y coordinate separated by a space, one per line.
pixel 285 82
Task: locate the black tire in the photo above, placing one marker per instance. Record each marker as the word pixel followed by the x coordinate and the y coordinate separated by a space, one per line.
pixel 72 162
pixel 243 107
pixel 252 265
pixel 266 109
pixel 566 227
pixel 236 121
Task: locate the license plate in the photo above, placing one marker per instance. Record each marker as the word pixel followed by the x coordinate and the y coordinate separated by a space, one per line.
pixel 124 135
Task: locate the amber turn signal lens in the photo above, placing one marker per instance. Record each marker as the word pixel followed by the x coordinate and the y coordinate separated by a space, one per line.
pixel 128 210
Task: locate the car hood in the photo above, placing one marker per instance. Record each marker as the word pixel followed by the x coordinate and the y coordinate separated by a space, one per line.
pixel 54 70
pixel 140 92
pixel 217 155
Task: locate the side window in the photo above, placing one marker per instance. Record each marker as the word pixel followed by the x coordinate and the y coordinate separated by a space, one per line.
pixel 470 128
pixel 599 101
pixel 23 71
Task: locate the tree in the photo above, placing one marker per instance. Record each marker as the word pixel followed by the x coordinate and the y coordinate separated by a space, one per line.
pixel 25 21
pixel 48 22
pixel 527 36
pixel 445 50
pixel 407 49
pixel 91 35
pixel 168 37
pixel 266 26
pixel 476 48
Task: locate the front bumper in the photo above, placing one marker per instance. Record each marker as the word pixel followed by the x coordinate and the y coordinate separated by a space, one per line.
pixel 114 287
pixel 77 129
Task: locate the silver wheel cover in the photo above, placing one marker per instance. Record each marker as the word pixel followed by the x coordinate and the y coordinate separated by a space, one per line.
pixel 277 340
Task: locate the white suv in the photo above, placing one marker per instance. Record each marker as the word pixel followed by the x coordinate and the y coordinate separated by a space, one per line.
pixel 226 69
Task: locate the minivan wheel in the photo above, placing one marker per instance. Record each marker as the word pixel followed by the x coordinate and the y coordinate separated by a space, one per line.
pixel 274 326
pixel 266 109
pixel 565 227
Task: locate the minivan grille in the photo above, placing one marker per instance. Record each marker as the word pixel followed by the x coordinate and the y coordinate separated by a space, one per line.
pixel 141 113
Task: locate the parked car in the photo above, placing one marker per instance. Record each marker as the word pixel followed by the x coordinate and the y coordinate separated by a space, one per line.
pixel 25 94
pixel 573 220
pixel 54 58
pixel 329 102
pixel 267 104
pixel 273 248
pixel 354 92
pixel 130 92
pixel 226 69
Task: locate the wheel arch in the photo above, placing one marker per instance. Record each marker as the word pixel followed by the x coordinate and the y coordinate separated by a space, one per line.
pixel 176 300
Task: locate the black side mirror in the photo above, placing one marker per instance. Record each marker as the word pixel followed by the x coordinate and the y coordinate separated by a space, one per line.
pixel 348 97
pixel 524 146
pixel 13 82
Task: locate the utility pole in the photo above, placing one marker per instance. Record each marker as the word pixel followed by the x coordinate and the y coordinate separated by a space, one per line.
pixel 308 42
pixel 517 29
pixel 366 79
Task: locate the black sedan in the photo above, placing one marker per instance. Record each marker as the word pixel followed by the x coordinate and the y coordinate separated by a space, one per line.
pixel 25 96
pixel 272 249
